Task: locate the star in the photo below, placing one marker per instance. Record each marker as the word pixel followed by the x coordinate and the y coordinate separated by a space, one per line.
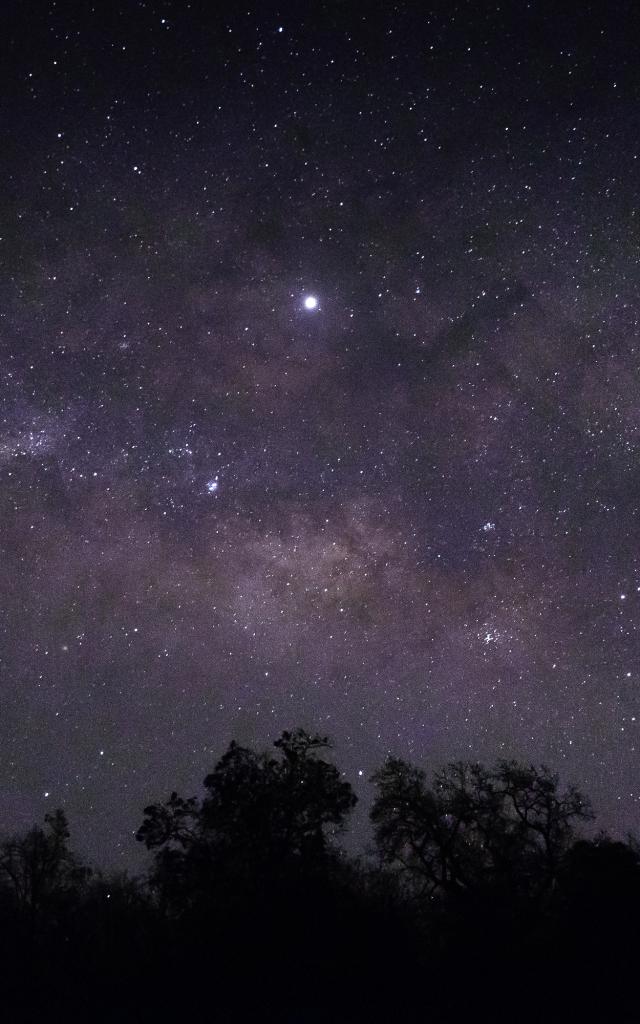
pixel 380 375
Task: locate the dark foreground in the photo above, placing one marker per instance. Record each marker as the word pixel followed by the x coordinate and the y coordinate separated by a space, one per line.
pixel 481 903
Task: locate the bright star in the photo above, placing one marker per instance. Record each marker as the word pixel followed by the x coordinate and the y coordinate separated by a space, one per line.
pixel 212 485
pixel 310 302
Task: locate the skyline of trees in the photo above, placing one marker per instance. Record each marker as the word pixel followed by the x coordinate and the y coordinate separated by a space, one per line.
pixel 469 821
pixel 480 875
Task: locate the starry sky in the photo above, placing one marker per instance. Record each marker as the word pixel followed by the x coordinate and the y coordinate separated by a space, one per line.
pixel 320 397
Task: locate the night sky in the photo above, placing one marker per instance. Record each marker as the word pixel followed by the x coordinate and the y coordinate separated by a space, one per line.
pixel 320 394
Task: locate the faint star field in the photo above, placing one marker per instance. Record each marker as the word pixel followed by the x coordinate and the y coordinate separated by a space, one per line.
pixel 319 398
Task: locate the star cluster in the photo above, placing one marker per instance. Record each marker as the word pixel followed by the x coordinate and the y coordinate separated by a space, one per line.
pixel 319 398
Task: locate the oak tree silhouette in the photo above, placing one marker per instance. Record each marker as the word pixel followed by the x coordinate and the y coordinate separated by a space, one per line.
pixel 474 826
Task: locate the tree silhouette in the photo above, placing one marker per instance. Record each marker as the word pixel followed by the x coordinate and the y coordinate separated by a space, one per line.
pixel 176 822
pixel 262 815
pixel 599 882
pixel 39 867
pixel 250 884
pixel 474 826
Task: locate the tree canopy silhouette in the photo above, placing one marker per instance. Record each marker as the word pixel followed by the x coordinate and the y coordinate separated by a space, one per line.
pixel 256 856
pixel 40 871
pixel 474 826
pixel 261 815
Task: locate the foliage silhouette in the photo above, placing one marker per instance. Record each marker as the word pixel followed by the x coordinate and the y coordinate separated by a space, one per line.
pixel 474 826
pixel 39 868
pixel 262 816
pixel 483 903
